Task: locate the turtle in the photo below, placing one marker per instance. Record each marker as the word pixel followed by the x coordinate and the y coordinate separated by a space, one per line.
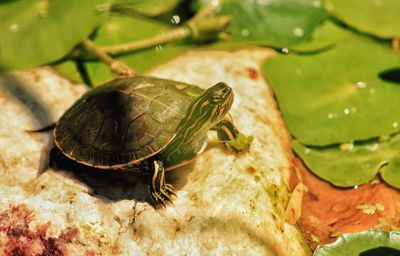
pixel 146 125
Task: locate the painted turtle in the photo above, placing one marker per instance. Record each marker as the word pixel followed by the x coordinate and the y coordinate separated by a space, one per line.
pixel 146 125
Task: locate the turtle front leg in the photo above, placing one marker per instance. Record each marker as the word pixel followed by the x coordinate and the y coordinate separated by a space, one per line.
pixel 159 191
pixel 230 136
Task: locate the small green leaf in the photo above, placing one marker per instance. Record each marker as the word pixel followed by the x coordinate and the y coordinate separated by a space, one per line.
pixel 325 35
pixel 337 96
pixel 123 29
pixel 279 23
pixel 358 165
pixel 36 32
pixel 371 242
pixel 150 8
pixel 377 17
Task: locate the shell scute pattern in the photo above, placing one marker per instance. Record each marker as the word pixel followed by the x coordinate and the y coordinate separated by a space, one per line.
pixel 124 121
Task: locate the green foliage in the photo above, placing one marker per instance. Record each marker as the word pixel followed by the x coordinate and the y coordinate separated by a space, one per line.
pixel 35 32
pixel 376 17
pixel 371 242
pixel 121 29
pixel 278 23
pixel 150 8
pixel 336 96
pixel 351 164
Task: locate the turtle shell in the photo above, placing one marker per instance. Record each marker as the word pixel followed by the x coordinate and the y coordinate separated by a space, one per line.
pixel 124 121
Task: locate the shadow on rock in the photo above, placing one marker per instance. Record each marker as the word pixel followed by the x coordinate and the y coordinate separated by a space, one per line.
pixel 111 184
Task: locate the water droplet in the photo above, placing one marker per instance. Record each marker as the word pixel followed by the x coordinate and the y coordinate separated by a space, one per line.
pixel 175 19
pixel 245 32
pixel 298 31
pixel 372 148
pixel 263 2
pixel 372 91
pixel 346 146
pixel 14 27
pixel 214 3
pixel 353 110
pixel 307 151
pixel 378 2
pixel 285 50
pixel 355 187
pixel 346 111
pixel 361 84
pixel 332 115
pixel 159 48
pixel 395 124
pixel 316 3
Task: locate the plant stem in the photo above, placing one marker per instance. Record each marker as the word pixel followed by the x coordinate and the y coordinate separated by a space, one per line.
pixel 115 66
pixel 170 36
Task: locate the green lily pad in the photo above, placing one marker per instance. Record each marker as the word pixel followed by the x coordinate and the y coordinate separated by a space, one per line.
pixel 366 243
pixel 337 96
pixel 325 35
pixel 35 32
pixel 122 29
pixel 377 17
pixel 278 23
pixel 150 8
pixel 348 164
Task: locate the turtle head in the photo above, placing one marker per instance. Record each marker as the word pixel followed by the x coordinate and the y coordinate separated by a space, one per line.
pixel 216 101
pixel 207 109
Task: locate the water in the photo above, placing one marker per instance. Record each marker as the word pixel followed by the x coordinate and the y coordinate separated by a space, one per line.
pixel 14 27
pixel 175 19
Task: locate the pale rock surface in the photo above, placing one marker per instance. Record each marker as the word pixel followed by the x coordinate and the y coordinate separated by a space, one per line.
pixel 227 204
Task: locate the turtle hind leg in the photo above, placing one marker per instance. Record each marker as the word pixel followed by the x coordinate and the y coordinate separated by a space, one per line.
pixel 232 139
pixel 159 191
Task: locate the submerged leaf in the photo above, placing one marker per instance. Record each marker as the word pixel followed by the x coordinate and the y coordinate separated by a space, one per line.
pixel 337 96
pixel 358 165
pixel 377 17
pixel 35 32
pixel 371 242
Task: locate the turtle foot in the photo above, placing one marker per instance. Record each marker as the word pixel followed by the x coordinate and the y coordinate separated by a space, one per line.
pixel 162 195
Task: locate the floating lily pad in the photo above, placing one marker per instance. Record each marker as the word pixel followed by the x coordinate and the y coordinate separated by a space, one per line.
pixel 35 32
pixel 377 17
pixel 367 243
pixel 122 29
pixel 349 164
pixel 337 96
pixel 279 23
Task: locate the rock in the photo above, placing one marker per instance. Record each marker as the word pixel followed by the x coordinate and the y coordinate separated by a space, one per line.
pixel 227 203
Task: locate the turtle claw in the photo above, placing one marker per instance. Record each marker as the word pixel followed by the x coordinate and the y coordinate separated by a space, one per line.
pixel 159 191
pixel 163 195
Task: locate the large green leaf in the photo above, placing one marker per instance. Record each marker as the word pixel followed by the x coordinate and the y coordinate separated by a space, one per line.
pixel 367 243
pixel 35 32
pixel 377 17
pixel 337 96
pixel 279 23
pixel 151 8
pixel 349 164
pixel 125 29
